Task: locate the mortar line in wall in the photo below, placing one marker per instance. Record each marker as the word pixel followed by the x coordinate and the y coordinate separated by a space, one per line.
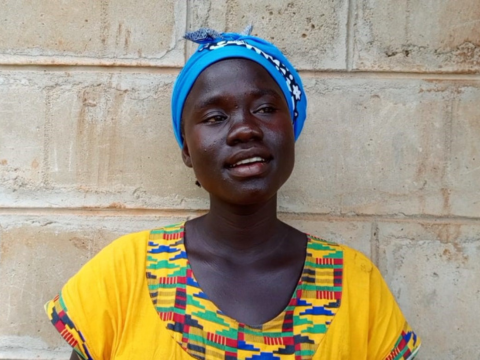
pixel 168 70
pixel 119 212
pixel 46 137
pixel 187 24
pixel 173 70
pixel 389 75
pixel 380 218
pixel 374 243
pixel 350 35
pixel 92 212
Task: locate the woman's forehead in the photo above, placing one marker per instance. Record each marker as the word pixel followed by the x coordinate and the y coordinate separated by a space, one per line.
pixel 232 66
pixel 228 76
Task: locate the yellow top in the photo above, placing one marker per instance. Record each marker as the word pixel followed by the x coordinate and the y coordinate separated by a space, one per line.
pixel 138 299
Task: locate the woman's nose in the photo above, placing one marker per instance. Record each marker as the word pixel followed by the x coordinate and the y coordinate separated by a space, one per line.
pixel 244 128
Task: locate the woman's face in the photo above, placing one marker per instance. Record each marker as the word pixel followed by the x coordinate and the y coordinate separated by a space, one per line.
pixel 238 133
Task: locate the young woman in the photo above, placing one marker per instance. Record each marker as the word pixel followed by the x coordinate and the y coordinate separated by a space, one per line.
pixel 236 283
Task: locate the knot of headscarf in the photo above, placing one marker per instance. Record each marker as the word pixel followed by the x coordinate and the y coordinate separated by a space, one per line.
pixel 215 46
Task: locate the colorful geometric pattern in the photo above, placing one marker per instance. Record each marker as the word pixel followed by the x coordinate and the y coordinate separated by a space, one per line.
pixel 206 333
pixel 57 313
pixel 406 346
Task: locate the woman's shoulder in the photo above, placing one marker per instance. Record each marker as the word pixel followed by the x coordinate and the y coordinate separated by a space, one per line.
pixel 137 243
pixel 356 270
pixel 368 318
pixel 120 265
pixel 351 257
pixel 128 245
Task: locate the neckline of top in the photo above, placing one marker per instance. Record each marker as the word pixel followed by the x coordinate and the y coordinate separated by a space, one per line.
pixel 267 324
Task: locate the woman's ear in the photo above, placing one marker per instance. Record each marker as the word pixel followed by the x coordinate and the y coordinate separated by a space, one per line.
pixel 187 160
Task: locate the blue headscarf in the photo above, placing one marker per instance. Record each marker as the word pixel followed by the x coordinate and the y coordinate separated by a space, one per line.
pixel 216 46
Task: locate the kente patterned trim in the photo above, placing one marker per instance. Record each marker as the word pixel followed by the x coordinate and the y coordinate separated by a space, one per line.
pixel 406 346
pixel 57 313
pixel 203 331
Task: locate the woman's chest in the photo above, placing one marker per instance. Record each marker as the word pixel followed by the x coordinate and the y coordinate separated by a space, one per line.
pixel 245 295
pixel 187 320
pixel 152 340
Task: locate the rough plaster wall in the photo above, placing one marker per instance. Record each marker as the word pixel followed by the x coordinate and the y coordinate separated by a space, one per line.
pixel 389 162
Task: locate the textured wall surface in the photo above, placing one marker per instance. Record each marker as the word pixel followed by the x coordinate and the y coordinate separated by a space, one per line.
pixel 389 162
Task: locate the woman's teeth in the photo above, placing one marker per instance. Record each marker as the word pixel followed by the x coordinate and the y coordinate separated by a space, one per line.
pixel 249 161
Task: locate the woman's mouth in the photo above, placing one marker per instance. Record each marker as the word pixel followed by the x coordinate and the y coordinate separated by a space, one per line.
pixel 248 161
pixel 253 166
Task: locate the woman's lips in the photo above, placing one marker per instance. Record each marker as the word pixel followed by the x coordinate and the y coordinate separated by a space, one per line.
pixel 249 169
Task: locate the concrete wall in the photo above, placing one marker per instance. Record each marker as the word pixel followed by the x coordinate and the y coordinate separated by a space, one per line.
pixel 389 161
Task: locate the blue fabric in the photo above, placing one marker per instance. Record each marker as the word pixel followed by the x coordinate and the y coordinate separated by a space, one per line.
pixel 232 45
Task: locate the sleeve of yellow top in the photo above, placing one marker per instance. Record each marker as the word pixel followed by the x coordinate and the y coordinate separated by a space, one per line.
pixel 390 336
pixel 92 305
pixel 57 313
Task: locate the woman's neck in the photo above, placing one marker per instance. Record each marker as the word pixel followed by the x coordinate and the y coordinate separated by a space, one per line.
pixel 242 228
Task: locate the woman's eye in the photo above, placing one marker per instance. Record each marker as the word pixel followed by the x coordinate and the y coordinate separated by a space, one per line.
pixel 214 119
pixel 266 110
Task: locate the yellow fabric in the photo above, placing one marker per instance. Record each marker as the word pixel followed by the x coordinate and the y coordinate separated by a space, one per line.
pixel 109 304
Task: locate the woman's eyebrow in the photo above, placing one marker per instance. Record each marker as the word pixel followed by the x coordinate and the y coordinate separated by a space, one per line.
pixel 267 92
pixel 212 100
pixel 218 99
